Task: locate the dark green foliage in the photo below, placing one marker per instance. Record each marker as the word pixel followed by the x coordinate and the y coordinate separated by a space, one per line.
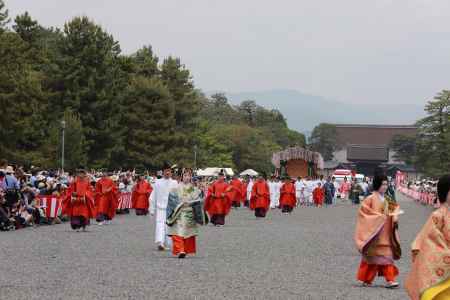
pixel 323 140
pixel 405 148
pixel 433 144
pixel 121 111
pixel 4 16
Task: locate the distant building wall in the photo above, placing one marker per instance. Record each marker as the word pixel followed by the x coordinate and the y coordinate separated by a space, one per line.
pixel 371 134
pixel 297 168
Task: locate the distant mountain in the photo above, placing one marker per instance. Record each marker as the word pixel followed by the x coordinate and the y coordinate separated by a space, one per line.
pixel 303 112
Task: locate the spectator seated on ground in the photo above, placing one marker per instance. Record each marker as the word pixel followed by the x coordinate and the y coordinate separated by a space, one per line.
pixel 6 222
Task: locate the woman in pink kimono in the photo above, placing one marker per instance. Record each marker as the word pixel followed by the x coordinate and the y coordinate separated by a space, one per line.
pixel 345 189
pixel 430 274
pixel 376 236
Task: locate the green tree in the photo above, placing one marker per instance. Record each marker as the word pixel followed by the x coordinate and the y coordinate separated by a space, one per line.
pixel 323 140
pixel 145 62
pixel 4 16
pixel 90 81
pixel 248 110
pixel 22 101
pixel 27 28
pixel 405 148
pixel 212 150
pixel 178 80
pixel 150 124
pixel 434 139
pixel 74 144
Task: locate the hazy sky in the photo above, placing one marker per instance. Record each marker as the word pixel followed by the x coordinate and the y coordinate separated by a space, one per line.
pixel 351 50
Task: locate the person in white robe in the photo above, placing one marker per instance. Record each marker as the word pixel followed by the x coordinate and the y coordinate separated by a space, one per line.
pixel 158 206
pixel 278 185
pixel 249 191
pixel 309 188
pixel 299 191
pixel 274 187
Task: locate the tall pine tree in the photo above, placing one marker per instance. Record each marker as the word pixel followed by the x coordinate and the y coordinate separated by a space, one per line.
pixel 178 80
pixel 90 82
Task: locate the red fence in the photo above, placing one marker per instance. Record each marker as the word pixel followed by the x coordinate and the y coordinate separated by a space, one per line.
pixel 52 205
pixel 124 200
pixel 422 197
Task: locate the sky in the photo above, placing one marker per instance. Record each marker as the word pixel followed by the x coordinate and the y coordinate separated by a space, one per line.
pixel 355 51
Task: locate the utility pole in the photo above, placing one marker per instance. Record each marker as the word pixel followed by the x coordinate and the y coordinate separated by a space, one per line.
pixel 195 157
pixel 63 127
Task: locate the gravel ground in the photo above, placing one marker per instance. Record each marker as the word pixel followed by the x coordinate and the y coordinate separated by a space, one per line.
pixel 307 255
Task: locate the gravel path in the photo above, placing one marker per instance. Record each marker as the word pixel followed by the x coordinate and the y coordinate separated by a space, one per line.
pixel 307 255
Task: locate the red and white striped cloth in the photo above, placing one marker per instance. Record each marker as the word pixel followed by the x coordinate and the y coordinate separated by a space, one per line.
pixel 51 205
pixel 425 198
pixel 124 200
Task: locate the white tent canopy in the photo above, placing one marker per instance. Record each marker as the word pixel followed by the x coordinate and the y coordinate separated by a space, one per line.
pixel 214 172
pixel 249 172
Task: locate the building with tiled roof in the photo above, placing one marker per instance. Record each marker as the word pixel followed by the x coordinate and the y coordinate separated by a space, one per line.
pixel 365 147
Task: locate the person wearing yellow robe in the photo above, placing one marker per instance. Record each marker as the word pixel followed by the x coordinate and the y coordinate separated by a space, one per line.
pixel 429 278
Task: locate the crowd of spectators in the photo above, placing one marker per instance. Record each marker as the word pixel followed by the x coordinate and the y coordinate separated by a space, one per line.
pixel 20 190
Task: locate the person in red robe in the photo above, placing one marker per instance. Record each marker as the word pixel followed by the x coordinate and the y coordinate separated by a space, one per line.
pixel 236 192
pixel 288 199
pixel 318 195
pixel 140 196
pixel 79 202
pixel 218 200
pixel 106 199
pixel 260 197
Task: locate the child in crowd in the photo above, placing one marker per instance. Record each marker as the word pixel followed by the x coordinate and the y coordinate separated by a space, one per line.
pixel 318 195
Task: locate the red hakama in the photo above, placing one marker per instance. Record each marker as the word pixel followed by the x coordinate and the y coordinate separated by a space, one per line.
pixel 183 245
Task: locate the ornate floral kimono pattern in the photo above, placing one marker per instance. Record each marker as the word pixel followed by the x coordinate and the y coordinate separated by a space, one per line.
pixel 181 219
pixel 431 254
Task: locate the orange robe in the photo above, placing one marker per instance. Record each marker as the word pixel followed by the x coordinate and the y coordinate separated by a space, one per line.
pixel 260 197
pixel 140 195
pixel 83 204
pixel 377 239
pixel 287 195
pixel 236 192
pixel 106 197
pixel 318 196
pixel 215 203
pixel 431 256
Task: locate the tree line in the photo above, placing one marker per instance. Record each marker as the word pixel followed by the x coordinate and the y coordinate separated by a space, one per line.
pixel 120 111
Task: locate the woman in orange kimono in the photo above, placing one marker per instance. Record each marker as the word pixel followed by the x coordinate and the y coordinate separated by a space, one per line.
pixel 260 197
pixel 376 235
pixel 287 196
pixel 429 278
pixel 79 202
